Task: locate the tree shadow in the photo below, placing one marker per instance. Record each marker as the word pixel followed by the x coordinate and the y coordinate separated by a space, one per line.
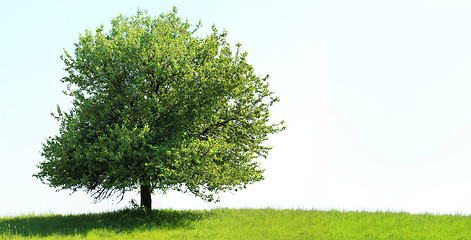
pixel 125 220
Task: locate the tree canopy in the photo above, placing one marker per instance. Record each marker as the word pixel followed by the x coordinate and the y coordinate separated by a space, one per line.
pixel 158 108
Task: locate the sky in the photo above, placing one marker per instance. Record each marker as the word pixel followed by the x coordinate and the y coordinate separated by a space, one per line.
pixel 375 95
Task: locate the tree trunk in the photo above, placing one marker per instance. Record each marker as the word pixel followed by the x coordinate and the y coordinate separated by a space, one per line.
pixel 146 199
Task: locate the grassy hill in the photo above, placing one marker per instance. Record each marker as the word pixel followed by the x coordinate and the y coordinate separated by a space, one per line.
pixel 237 224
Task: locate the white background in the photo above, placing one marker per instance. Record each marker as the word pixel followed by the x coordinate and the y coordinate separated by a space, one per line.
pixel 375 95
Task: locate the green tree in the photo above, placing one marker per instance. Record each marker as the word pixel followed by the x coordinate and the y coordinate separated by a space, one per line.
pixel 157 108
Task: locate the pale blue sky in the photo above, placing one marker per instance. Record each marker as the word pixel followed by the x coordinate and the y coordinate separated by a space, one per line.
pixel 375 95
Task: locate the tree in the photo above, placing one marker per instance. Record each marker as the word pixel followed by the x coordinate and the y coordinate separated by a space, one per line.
pixel 157 108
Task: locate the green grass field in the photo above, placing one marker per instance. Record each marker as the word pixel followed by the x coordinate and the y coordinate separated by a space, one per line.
pixel 237 224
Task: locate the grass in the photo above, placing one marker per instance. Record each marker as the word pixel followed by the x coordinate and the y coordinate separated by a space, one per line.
pixel 387 225
pixel 237 224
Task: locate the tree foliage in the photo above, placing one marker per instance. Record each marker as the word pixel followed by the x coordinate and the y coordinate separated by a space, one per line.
pixel 155 105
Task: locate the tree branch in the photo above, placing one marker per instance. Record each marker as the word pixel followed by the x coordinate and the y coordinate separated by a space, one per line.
pixel 206 131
